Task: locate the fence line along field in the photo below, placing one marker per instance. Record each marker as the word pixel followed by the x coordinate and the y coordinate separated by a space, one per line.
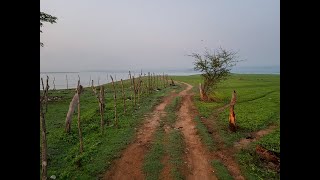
pixel 98 144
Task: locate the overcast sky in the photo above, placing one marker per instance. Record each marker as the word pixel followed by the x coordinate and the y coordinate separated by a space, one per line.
pixel 156 34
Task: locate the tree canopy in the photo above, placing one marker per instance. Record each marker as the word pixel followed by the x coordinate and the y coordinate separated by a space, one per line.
pixel 44 17
pixel 215 66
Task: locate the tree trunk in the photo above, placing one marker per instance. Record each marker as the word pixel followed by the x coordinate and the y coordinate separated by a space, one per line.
pixel 232 115
pixel 203 94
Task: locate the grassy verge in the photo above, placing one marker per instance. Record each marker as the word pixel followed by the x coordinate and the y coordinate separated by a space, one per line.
pixel 176 144
pixel 204 135
pixel 221 171
pixel 152 166
pixel 171 110
pixel 175 150
pixel 163 144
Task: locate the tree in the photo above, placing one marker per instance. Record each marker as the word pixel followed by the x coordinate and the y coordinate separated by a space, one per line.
pixel 44 17
pixel 215 67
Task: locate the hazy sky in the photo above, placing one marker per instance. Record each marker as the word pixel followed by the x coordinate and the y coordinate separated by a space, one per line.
pixel 134 34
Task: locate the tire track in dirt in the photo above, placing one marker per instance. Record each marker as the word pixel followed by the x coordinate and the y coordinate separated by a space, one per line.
pixel 129 166
pixel 197 155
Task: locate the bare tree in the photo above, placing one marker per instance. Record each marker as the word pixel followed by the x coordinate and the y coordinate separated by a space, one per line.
pixel 215 67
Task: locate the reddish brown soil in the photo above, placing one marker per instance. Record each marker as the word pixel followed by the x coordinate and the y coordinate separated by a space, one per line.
pixel 198 157
pixel 129 166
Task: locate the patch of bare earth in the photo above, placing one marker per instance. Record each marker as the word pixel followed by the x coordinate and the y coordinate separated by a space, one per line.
pixel 129 165
pixel 244 142
pixel 198 156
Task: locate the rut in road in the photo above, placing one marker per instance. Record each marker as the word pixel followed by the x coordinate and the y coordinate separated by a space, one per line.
pixel 198 157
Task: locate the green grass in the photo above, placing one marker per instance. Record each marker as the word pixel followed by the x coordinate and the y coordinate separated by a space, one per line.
pixel 64 160
pixel 176 145
pixel 204 135
pixel 271 141
pixel 252 167
pixel 171 110
pixel 175 150
pixel 152 165
pixel 220 170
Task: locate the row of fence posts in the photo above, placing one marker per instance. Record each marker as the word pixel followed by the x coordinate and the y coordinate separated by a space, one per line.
pixel 138 87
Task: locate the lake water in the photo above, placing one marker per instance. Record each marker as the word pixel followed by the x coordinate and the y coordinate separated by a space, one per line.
pixel 104 77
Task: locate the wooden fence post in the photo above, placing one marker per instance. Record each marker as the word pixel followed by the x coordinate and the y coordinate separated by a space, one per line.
pixel 44 159
pixel 124 98
pixel 134 90
pixel 79 91
pixel 67 81
pixel 54 85
pixel 100 98
pixel 115 103
pixel 232 115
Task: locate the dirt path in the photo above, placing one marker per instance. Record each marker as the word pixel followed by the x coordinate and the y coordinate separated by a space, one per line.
pixel 129 166
pixel 198 156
